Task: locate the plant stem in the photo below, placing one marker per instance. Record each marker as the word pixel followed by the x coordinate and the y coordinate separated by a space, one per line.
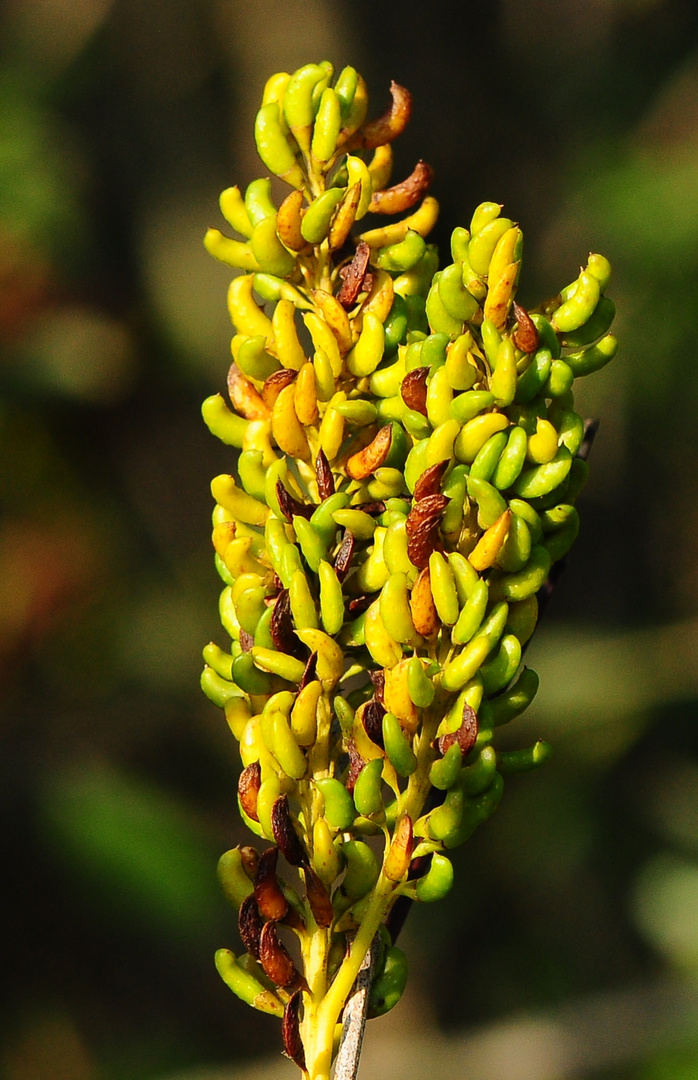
pixel 355 1010
pixel 327 1015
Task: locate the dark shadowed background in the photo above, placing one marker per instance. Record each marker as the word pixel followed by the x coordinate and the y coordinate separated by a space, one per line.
pixel 569 945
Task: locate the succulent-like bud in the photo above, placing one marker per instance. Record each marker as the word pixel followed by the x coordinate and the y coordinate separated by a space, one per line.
pixel 409 459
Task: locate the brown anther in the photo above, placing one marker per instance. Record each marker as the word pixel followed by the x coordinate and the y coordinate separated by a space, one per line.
pixel 276 962
pixel 402 196
pixel 309 673
pixel 290 505
pixel 413 389
pixel 291 1031
pixel 353 276
pixel 318 898
pixel 429 483
pixel 372 714
pixel 275 384
pixel 525 337
pixel 343 557
pixel 250 924
pixel 285 834
pixel 323 473
pixel 366 461
pixel 246 640
pixel 267 891
pixel 244 397
pixel 465 736
pixel 387 127
pixel 249 783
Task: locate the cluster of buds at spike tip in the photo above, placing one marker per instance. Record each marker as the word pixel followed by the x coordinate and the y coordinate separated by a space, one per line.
pixel 409 460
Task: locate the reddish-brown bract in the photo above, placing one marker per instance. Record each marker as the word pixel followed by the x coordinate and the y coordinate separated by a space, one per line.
pixel 387 127
pixel 323 474
pixel 343 556
pixel 353 276
pixel 318 898
pixel 275 384
pixel 250 925
pixel 414 389
pixel 424 614
pixel 244 398
pixel 290 1030
pixel 267 891
pixel 422 528
pixel 285 834
pixel 366 461
pixel 403 196
pixel 249 783
pixel 290 505
pixel 277 964
pixel 281 627
pixel 429 483
pixel 525 337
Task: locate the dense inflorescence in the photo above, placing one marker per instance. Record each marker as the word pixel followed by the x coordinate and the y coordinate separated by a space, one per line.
pixel 409 461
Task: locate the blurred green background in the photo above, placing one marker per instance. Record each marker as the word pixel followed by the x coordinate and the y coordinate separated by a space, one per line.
pixel 569 946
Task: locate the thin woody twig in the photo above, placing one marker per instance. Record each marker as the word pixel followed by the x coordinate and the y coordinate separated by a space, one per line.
pixel 354 1023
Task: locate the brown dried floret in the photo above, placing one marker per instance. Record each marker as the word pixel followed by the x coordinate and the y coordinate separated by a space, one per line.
pixel 343 556
pixel 377 677
pixel 465 736
pixel 403 196
pixel 414 389
pixel 271 900
pixel 276 382
pixel 249 783
pixel 285 834
pixel 275 960
pixel 353 276
pixel 387 127
pixel 250 924
pixel 249 857
pixel 372 714
pixel 318 898
pixel 525 337
pixel 397 860
pixel 424 614
pixel 244 397
pixel 359 604
pixel 323 474
pixel 375 507
pixel 356 764
pixel 429 483
pixel 310 671
pixel 290 505
pixel 288 223
pixel 364 463
pixel 422 528
pixel 282 628
pixel 291 1031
